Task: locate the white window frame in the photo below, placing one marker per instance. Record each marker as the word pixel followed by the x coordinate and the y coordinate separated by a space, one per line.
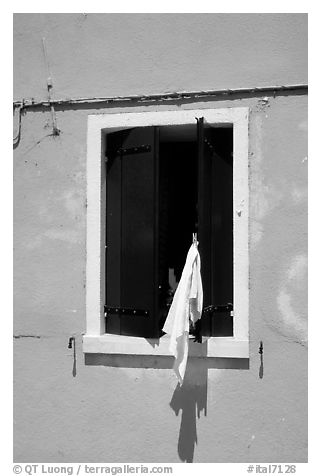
pixel 96 340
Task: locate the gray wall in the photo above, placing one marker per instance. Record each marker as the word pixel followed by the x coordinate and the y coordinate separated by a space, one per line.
pixel 122 411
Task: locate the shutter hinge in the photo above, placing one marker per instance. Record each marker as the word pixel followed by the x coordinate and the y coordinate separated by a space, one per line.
pixel 122 311
pixel 213 308
pixel 135 150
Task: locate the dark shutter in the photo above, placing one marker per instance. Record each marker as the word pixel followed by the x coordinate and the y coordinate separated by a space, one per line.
pixel 215 227
pixel 204 212
pixel 132 232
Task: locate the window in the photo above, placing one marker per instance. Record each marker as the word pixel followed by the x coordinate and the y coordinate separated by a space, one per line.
pixel 154 178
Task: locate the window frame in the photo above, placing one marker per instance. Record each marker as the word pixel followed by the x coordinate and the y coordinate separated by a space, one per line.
pixel 95 340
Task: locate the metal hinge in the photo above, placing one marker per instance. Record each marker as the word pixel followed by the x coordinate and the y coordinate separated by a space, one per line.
pixel 126 311
pixel 135 150
pixel 219 308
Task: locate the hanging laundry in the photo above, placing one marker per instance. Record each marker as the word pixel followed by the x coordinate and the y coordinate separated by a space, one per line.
pixel 187 305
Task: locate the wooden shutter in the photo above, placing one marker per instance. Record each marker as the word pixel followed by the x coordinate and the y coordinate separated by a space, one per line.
pixel 215 226
pixel 132 232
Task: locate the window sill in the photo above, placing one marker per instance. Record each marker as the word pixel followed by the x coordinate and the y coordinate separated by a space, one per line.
pixel 225 347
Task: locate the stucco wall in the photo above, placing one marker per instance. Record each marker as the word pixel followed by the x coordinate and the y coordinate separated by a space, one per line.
pixel 97 54
pixel 118 410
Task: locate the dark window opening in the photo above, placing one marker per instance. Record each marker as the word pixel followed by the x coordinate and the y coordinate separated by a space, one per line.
pixel 164 184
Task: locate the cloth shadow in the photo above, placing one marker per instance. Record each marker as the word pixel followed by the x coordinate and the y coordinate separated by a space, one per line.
pixel 191 399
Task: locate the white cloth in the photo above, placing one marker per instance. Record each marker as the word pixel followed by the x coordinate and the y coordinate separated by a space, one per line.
pixel 187 304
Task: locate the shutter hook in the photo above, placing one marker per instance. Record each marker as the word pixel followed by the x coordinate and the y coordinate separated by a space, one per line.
pixel 70 343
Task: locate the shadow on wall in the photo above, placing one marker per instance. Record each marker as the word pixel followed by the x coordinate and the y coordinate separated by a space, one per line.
pixel 191 398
